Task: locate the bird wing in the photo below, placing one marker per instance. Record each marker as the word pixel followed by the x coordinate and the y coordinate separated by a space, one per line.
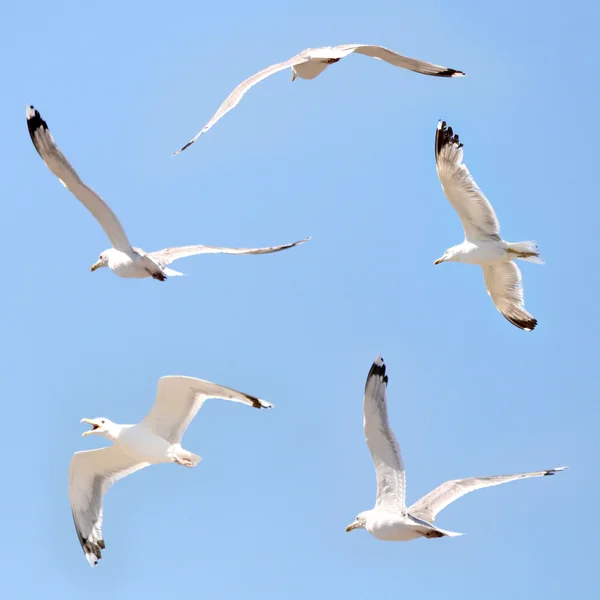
pixel 504 285
pixel 430 505
pixel 91 475
pixel 168 255
pixel 474 209
pixel 236 95
pixel 389 468
pixel 398 60
pixel 180 398
pixel 56 161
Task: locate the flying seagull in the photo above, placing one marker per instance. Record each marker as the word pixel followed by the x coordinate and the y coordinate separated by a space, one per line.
pixel 313 61
pixel 483 245
pixel 122 258
pixel 391 520
pixel 156 439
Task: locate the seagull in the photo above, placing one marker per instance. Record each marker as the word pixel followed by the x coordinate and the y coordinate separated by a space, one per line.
pixel 122 259
pixel 156 439
pixel 391 520
pixel 483 245
pixel 312 62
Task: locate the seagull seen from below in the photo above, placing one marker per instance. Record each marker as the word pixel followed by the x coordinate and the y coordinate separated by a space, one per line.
pixel 156 439
pixel 391 520
pixel 312 62
pixel 483 245
pixel 122 259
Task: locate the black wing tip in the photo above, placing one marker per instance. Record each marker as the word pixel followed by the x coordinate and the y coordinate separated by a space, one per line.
pixel 451 73
pixel 524 324
pixel 34 120
pixel 445 136
pixel 378 370
pixel 553 471
pixel 258 403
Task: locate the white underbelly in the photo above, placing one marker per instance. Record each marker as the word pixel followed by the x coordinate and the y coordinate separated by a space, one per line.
pixel 397 532
pixel 125 266
pixel 145 446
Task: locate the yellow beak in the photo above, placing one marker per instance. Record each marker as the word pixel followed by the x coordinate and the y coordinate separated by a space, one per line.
pixel 96 265
pixel 352 526
pixel 438 261
pixel 89 422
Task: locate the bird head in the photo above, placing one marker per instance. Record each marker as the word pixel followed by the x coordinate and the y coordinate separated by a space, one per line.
pixel 448 256
pixel 100 426
pixel 101 262
pixel 359 523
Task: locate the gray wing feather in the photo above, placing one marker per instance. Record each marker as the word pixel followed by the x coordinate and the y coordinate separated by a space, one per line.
pixel 168 255
pixel 91 475
pixel 389 467
pixel 430 505
pixel 474 209
pixel 504 284
pixel 56 161
pixel 179 399
pixel 238 93
pixel 398 60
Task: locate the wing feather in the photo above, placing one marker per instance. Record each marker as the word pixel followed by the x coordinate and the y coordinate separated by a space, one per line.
pixel 430 505
pixel 474 209
pixel 56 161
pixel 504 284
pixel 389 467
pixel 238 93
pixel 168 255
pixel 91 475
pixel 179 399
pixel 398 60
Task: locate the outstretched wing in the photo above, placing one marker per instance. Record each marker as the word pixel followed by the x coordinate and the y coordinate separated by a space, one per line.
pixel 398 60
pixel 236 95
pixel 430 505
pixel 168 255
pixel 56 161
pixel 91 475
pixel 475 211
pixel 180 398
pixel 389 468
pixel 504 284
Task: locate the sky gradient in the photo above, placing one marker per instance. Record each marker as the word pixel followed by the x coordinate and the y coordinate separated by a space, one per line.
pixel 348 159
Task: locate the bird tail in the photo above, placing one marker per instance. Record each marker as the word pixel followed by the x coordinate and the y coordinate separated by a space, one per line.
pixel 171 272
pixel 528 251
pixel 436 532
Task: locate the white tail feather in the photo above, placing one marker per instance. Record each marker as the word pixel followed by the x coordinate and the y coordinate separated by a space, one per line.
pixel 528 251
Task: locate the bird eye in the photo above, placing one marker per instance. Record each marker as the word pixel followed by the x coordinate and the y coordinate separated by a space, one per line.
pixel 103 421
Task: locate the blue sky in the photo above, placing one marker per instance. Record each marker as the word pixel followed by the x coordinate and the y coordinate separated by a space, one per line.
pixel 348 159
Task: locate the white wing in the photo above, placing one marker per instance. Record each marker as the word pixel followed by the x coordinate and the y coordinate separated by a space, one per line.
pixel 430 505
pixel 389 468
pixel 180 398
pixel 168 255
pixel 234 98
pixel 476 213
pixel 55 160
pixel 398 60
pixel 91 475
pixel 505 287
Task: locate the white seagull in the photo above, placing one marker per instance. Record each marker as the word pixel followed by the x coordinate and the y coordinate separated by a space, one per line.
pixel 122 258
pixel 483 245
pixel 313 61
pixel 156 439
pixel 391 520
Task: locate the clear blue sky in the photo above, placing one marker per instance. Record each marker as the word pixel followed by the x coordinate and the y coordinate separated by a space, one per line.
pixel 347 158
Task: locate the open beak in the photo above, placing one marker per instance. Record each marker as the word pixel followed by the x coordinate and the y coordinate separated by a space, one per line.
pixel 92 423
pixel 437 262
pixel 96 265
pixel 352 526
